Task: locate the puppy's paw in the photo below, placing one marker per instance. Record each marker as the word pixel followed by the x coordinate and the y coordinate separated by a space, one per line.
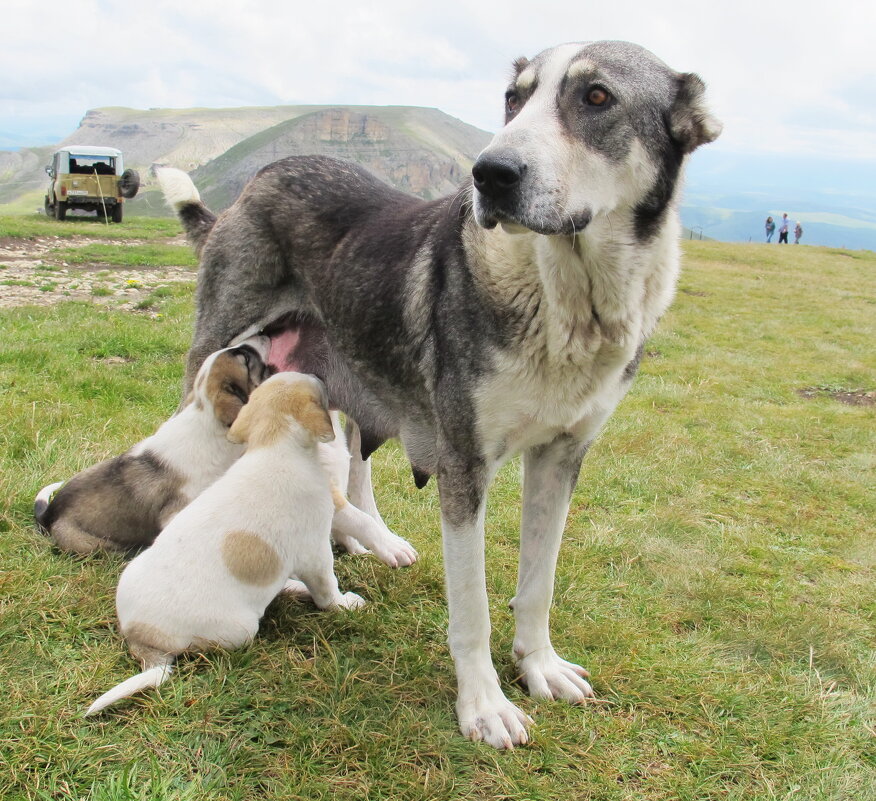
pixel 394 551
pixel 349 600
pixel 547 676
pixel 490 717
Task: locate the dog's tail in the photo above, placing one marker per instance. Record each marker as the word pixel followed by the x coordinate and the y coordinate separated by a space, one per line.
pixel 183 196
pixel 42 501
pixel 151 677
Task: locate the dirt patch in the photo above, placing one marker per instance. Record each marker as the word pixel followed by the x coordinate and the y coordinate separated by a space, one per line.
pixel 851 397
pixel 31 276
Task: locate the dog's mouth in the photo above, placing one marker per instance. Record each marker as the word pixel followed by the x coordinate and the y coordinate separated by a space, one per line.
pixel 547 222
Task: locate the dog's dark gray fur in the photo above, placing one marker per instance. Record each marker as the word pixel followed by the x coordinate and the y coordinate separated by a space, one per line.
pixel 471 342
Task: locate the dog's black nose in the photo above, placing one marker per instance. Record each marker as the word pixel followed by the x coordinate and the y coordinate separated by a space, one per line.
pixel 497 174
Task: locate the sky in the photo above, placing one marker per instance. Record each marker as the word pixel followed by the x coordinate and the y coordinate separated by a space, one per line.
pixel 797 78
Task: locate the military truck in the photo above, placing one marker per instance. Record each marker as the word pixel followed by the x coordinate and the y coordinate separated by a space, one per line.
pixel 89 178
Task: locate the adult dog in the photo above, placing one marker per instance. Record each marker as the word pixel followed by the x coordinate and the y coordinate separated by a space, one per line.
pixel 509 318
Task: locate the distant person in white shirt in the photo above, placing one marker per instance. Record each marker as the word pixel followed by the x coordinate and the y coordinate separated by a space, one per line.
pixel 784 228
pixel 798 232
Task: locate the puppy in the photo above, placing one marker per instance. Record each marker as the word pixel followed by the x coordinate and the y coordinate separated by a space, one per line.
pixel 214 569
pixel 121 504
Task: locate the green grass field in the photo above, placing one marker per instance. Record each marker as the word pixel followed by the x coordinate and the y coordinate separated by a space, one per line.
pixel 717 578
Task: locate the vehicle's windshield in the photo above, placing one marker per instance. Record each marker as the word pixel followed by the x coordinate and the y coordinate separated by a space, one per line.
pixel 102 165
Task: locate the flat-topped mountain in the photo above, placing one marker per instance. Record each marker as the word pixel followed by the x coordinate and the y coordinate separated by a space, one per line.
pixel 419 150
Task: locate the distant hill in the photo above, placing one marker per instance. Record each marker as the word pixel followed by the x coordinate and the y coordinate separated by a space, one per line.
pixel 418 150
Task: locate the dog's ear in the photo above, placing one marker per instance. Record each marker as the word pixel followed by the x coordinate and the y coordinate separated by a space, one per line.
pixel 315 418
pixel 309 409
pixel 228 387
pixel 690 122
pixel 241 427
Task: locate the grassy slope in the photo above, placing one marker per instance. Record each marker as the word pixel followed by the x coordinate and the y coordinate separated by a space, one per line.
pixel 717 579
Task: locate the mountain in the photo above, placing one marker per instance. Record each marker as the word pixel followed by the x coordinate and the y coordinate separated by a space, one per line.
pixel 419 150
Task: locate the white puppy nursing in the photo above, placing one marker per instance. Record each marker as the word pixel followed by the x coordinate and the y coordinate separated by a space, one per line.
pixel 217 565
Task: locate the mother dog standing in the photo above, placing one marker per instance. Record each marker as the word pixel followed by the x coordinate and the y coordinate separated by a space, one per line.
pixel 509 318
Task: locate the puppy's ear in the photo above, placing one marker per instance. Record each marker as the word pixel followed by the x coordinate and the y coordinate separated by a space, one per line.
pixel 309 407
pixel 241 427
pixel 690 122
pixel 315 418
pixel 228 387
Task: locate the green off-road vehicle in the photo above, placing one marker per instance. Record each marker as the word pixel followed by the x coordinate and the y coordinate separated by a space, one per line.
pixel 90 178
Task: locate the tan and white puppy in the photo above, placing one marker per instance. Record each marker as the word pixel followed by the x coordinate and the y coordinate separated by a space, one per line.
pixel 122 503
pixel 214 569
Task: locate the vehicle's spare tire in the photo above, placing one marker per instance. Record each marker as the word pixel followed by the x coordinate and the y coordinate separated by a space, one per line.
pixel 129 183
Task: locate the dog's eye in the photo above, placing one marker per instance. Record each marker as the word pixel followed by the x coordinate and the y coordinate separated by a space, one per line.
pixel 512 102
pixel 596 96
pixel 238 392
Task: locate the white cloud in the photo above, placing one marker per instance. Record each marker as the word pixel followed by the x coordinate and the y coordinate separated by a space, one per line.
pixel 781 76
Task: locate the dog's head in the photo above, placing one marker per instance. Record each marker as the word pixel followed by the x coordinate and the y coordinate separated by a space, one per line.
pixel 228 377
pixel 286 402
pixel 589 129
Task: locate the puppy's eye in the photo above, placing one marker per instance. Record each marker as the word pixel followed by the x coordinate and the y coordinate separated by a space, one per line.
pixel 596 96
pixel 512 102
pixel 237 391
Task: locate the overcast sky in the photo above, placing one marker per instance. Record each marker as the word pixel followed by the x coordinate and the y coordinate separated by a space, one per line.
pixel 797 77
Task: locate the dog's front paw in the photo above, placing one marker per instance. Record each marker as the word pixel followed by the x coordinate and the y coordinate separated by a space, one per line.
pixel 547 676
pixel 349 600
pixel 490 717
pixel 394 551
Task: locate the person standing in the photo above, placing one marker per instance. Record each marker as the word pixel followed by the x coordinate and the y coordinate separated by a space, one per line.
pixel 783 229
pixel 798 232
pixel 770 227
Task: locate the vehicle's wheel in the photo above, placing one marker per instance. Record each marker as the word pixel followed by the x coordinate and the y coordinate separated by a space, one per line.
pixel 129 183
pixel 117 212
pixel 50 211
pixel 61 210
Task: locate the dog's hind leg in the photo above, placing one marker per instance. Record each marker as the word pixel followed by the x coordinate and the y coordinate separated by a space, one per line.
pixel 549 475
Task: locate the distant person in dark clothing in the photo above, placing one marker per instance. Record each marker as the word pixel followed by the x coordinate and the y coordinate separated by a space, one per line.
pixel 770 227
pixel 798 232
pixel 784 228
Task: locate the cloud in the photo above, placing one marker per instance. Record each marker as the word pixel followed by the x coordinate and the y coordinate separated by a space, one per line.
pixel 783 77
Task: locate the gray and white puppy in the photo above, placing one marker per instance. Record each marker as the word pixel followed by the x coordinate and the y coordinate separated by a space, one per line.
pixel 508 318
pixel 122 503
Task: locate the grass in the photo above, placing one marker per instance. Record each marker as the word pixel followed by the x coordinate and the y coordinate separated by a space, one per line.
pixel 148 254
pixel 717 578
pixel 31 226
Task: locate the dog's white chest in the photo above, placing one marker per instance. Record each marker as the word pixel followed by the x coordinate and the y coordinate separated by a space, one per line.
pixel 529 402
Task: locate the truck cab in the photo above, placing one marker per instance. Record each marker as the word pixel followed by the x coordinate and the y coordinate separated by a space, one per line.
pixel 89 178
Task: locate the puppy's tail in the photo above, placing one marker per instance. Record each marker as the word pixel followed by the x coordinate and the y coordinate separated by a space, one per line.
pixel 181 194
pixel 151 677
pixel 42 501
